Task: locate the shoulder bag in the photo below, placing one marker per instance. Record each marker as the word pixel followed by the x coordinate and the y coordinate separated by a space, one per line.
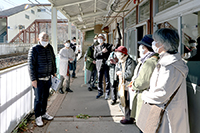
pixel 150 117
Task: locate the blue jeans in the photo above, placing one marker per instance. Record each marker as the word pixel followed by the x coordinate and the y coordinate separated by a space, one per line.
pixel 104 71
pixel 41 97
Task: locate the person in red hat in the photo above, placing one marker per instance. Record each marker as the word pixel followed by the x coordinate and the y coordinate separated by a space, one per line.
pixel 124 69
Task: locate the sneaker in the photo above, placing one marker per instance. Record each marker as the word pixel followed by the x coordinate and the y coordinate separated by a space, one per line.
pixel 106 97
pixel 89 89
pixel 47 116
pixel 99 95
pixel 39 121
pixel 69 90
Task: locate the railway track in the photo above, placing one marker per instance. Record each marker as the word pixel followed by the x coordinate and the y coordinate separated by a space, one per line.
pixel 7 61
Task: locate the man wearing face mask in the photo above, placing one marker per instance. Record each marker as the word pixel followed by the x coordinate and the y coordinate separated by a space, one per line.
pixel 101 54
pixel 142 74
pixel 91 65
pixel 73 64
pixel 66 55
pixel 124 70
pixel 41 64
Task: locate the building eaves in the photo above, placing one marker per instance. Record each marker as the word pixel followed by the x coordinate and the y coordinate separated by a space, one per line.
pixel 14 10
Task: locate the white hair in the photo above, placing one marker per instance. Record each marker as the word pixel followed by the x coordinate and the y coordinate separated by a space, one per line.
pixel 41 35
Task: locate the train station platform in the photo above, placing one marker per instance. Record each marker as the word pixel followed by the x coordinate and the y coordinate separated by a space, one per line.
pixel 104 118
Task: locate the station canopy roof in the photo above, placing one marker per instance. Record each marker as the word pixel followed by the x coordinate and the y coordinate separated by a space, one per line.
pixel 84 14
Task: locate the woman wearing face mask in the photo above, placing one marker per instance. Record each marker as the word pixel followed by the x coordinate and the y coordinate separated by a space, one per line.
pixel 169 75
pixel 66 54
pixel 142 74
pixel 124 70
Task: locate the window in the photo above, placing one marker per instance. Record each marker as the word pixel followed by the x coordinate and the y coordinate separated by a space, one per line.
pixel 191 36
pixel 41 10
pixel 164 4
pixel 144 11
pixel 26 16
pixel 33 12
pixel 173 24
pixel 130 20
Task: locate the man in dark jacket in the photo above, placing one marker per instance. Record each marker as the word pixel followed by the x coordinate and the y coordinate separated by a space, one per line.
pixel 73 64
pixel 101 54
pixel 41 63
pixel 91 65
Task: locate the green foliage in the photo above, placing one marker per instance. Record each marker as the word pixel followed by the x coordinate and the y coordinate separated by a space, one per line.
pixel 83 116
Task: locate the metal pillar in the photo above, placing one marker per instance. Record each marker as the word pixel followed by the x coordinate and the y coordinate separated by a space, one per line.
pixel 76 36
pixel 54 29
pixel 69 31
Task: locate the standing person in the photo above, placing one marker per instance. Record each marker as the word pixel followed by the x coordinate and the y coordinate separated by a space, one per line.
pixel 142 73
pixel 111 62
pixel 169 74
pixel 66 55
pixel 73 64
pixel 91 65
pixel 41 64
pixel 124 69
pixel 101 54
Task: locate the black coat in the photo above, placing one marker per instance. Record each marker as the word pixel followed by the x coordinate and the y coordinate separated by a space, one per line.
pixel 41 61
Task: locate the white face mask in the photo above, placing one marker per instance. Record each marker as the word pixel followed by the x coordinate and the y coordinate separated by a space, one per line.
pixel 118 54
pixel 67 44
pixel 100 41
pixel 44 44
pixel 155 49
pixel 95 40
pixel 141 50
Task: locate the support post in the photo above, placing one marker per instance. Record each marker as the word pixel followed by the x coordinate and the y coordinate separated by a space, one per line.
pixel 54 29
pixel 69 31
pixel 76 36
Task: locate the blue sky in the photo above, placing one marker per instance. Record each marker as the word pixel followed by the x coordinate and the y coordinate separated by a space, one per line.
pixel 6 4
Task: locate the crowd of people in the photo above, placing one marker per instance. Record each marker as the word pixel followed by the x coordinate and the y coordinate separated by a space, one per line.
pixel 154 78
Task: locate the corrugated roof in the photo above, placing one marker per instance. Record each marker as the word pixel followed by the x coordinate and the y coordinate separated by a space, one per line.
pixel 14 10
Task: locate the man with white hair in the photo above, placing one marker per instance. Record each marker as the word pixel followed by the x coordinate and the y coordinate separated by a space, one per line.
pixel 41 64
pixel 101 54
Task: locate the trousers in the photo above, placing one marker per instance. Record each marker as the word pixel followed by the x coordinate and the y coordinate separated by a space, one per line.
pixel 41 97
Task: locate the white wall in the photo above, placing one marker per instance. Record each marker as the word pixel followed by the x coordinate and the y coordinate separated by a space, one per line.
pixel 19 19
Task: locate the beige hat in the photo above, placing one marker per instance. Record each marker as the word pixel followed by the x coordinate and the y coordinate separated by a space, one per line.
pixel 102 35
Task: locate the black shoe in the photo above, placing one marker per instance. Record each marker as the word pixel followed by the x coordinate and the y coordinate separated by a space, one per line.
pixel 74 76
pixel 89 89
pixel 99 95
pixel 113 102
pixel 94 87
pixel 61 91
pixel 69 90
pixel 125 121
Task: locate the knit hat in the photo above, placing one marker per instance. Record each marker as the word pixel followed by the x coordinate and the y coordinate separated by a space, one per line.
pixel 122 49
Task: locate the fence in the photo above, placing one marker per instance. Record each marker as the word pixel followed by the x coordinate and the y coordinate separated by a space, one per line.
pixel 16 96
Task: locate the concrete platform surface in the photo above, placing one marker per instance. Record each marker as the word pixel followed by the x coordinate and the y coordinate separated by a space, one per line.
pixel 104 118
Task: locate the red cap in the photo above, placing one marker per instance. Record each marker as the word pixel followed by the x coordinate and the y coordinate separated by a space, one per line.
pixel 122 49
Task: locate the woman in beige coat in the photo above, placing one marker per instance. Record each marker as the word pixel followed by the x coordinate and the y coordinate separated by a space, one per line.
pixel 169 74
